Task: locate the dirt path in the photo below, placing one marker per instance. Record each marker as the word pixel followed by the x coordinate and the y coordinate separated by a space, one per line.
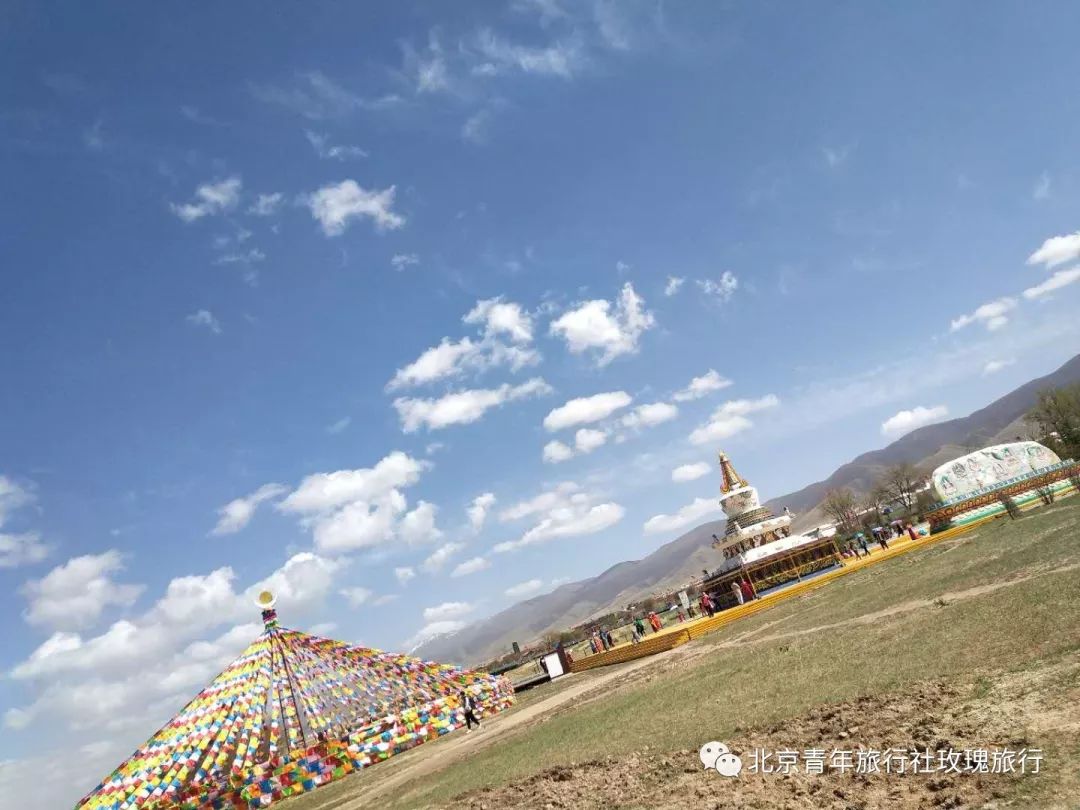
pixel 896 610
pixel 397 774
pixel 457 746
pixel 1013 711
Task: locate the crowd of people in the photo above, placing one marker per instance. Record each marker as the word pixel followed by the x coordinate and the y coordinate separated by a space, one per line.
pixel 858 547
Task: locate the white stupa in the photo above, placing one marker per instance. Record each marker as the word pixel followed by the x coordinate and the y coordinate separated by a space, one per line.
pixel 753 532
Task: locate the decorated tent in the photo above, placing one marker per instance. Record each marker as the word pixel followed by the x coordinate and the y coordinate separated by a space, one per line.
pixel 293 712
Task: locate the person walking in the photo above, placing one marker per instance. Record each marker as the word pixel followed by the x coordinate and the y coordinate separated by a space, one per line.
pixel 865 548
pixel 654 620
pixel 748 591
pixel 883 542
pixel 706 605
pixel 639 625
pixel 468 702
pixel 735 589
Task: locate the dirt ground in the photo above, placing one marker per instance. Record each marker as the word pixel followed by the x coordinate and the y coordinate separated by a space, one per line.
pixel 1031 700
pixel 1013 712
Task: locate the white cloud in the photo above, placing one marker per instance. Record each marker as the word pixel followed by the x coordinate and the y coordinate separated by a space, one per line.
pixel 190 606
pixel 500 317
pixel 324 491
pixel 470 567
pixel 702 386
pixel 478 510
pixel 992 315
pixel 448 610
pixel 266 205
pixel 400 261
pixel 335 205
pixel 429 69
pixel 74 595
pixel 1057 250
pixel 13 497
pixel 586 440
pixel 205 319
pixel 690 514
pixel 906 421
pixel 210 199
pixel 236 514
pixel 362 508
pixel 721 290
pixel 357 596
pixel 731 418
pixel 404 574
pixel 592 325
pixel 1041 191
pixel 316 96
pixel 654 413
pixel 994 366
pixel 462 407
pixel 477 126
pixel 441 556
pixel 562 512
pixel 339 426
pixel 523 589
pixel 454 358
pixel 445 360
pixel 585 410
pixel 560 59
pixel 690 472
pixel 252 256
pixel 1062 278
pixel 24 548
pixel 138 672
pixel 674 284
pixel 360 524
pixel 556 452
pixel 418 526
pixel 327 151
pixel 543 502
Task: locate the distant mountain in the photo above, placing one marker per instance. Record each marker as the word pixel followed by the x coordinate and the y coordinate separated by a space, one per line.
pixel 674 563
pixel 670 565
pixel 930 446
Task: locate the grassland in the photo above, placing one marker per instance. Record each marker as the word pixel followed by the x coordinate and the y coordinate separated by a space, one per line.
pixel 975 626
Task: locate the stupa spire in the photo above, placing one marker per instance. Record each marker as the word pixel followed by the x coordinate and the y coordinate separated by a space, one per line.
pixel 729 479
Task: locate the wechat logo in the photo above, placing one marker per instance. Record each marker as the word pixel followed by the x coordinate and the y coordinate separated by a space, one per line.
pixel 716 756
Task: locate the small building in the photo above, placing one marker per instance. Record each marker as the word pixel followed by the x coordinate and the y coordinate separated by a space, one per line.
pixel 995 479
pixel 759 546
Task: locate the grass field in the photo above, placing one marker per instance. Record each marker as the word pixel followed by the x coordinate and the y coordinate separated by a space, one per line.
pixel 979 634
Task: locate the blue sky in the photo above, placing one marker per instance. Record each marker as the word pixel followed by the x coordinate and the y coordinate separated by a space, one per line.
pixel 287 292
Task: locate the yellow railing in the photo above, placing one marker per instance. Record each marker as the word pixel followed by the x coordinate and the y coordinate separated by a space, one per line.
pixel 671 637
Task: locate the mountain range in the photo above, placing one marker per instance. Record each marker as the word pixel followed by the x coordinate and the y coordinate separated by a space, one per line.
pixel 677 561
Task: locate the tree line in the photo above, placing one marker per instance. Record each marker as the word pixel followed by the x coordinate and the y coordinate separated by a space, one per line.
pixel 901 489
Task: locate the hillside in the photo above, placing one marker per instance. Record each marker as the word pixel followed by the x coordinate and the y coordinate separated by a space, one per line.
pixel 935 444
pixel 682 558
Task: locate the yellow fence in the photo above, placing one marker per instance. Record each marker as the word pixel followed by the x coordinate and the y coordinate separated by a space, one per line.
pixel 679 634
pixel 660 642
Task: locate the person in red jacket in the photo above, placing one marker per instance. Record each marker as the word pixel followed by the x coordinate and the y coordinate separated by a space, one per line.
pixel 748 591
